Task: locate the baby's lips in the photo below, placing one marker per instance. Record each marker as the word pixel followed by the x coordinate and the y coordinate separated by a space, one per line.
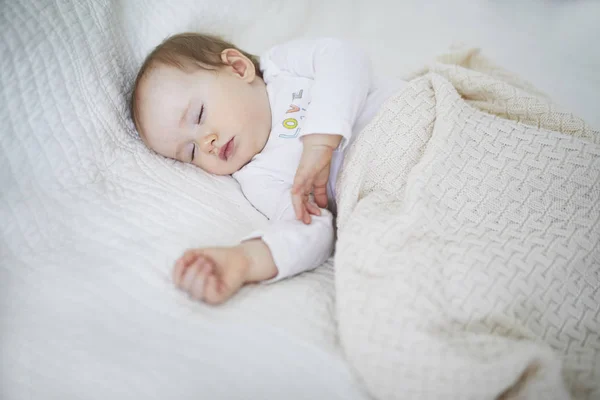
pixel 222 151
pixel 225 150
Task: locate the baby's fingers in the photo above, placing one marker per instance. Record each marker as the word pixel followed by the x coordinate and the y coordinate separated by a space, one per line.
pixel 305 214
pixel 189 275
pixel 298 203
pixel 178 272
pixel 183 262
pixel 219 288
pixel 312 208
pixel 214 292
pixel 301 180
pixel 303 184
pixel 320 195
pixel 197 287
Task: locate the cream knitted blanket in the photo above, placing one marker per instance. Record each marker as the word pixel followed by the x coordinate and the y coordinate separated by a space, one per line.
pixel 468 253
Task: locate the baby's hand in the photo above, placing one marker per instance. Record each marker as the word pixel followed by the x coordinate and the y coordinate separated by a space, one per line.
pixel 211 275
pixel 313 174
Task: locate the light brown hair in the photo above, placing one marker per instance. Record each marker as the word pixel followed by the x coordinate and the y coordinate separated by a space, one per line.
pixel 186 51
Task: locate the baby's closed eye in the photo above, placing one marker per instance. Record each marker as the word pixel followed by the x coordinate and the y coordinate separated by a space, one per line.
pixel 193 152
pixel 200 114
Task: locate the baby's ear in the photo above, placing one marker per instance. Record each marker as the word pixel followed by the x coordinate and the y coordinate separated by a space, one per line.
pixel 241 65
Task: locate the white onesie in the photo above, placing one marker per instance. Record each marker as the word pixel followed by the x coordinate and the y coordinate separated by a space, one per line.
pixel 314 86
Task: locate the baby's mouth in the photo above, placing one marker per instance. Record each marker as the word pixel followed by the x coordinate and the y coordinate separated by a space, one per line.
pixel 227 150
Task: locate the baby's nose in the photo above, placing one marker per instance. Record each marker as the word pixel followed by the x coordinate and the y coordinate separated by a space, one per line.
pixel 208 143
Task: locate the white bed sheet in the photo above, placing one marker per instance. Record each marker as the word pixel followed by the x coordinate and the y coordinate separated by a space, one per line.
pixel 91 220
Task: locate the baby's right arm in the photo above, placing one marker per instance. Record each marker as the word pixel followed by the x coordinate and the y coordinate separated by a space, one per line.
pixel 295 246
pixel 213 275
pixel 342 76
pixel 284 248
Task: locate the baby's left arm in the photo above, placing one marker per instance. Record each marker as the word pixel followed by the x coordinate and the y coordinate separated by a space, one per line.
pixel 342 78
pixel 215 274
pixel 284 248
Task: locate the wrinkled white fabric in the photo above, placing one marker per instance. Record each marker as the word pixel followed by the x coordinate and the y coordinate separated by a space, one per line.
pixel 468 254
pixel 91 221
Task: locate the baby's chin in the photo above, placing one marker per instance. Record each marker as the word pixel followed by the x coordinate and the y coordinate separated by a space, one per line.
pixel 222 172
pixel 241 161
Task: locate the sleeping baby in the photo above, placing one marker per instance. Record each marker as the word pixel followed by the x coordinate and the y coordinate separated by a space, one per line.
pixel 279 124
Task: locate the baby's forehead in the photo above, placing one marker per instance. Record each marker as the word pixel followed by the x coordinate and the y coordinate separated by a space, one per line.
pixel 161 97
pixel 160 76
pixel 161 91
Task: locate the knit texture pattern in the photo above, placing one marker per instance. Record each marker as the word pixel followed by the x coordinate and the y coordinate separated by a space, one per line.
pixel 467 265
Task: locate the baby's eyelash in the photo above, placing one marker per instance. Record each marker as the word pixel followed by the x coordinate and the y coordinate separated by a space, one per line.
pixel 200 115
pixel 193 152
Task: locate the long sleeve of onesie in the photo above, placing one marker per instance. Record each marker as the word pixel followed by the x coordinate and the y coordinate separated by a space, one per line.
pixel 322 85
pixel 295 246
pixel 342 78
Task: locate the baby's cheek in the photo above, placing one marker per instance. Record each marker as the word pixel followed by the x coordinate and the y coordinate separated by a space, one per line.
pixel 206 166
pixel 217 167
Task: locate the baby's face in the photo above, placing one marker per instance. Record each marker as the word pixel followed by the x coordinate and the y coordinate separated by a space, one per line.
pixel 217 121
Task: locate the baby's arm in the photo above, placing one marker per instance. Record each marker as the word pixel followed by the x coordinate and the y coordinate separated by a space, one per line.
pixel 342 80
pixel 284 248
pixel 312 174
pixel 213 275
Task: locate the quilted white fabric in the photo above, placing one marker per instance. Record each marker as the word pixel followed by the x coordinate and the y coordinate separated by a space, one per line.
pixel 468 258
pixel 91 224
pixel 90 221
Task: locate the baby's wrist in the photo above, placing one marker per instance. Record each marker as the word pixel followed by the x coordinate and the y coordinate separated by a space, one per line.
pixel 322 139
pixel 259 261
